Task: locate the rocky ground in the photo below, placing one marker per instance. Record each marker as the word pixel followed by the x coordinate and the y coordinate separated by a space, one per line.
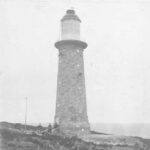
pixel 12 138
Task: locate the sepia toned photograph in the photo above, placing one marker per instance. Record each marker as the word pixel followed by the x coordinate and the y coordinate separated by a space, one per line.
pixel 74 74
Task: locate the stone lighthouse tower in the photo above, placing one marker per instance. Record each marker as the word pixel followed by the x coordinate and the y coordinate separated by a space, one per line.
pixel 71 108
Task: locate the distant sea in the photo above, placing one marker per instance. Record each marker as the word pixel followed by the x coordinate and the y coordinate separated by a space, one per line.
pixel 139 130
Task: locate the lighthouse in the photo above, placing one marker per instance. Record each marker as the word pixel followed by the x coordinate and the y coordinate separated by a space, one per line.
pixel 71 108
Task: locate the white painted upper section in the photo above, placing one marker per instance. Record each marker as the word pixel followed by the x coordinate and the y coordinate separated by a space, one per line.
pixel 70 29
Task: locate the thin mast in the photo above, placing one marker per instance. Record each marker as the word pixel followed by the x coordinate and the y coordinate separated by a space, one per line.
pixel 25 122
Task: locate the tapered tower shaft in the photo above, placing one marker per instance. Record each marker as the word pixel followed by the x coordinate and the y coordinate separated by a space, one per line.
pixel 71 107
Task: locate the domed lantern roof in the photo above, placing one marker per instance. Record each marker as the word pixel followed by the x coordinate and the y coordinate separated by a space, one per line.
pixel 70 15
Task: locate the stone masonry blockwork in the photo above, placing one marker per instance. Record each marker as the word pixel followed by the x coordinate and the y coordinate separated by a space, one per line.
pixel 71 107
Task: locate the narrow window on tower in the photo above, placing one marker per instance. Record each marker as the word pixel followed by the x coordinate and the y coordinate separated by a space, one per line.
pixel 80 74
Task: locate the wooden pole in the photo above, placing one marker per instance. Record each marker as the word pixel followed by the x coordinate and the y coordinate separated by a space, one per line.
pixel 25 122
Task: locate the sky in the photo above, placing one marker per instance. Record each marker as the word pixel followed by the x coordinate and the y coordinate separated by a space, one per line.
pixel 117 60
